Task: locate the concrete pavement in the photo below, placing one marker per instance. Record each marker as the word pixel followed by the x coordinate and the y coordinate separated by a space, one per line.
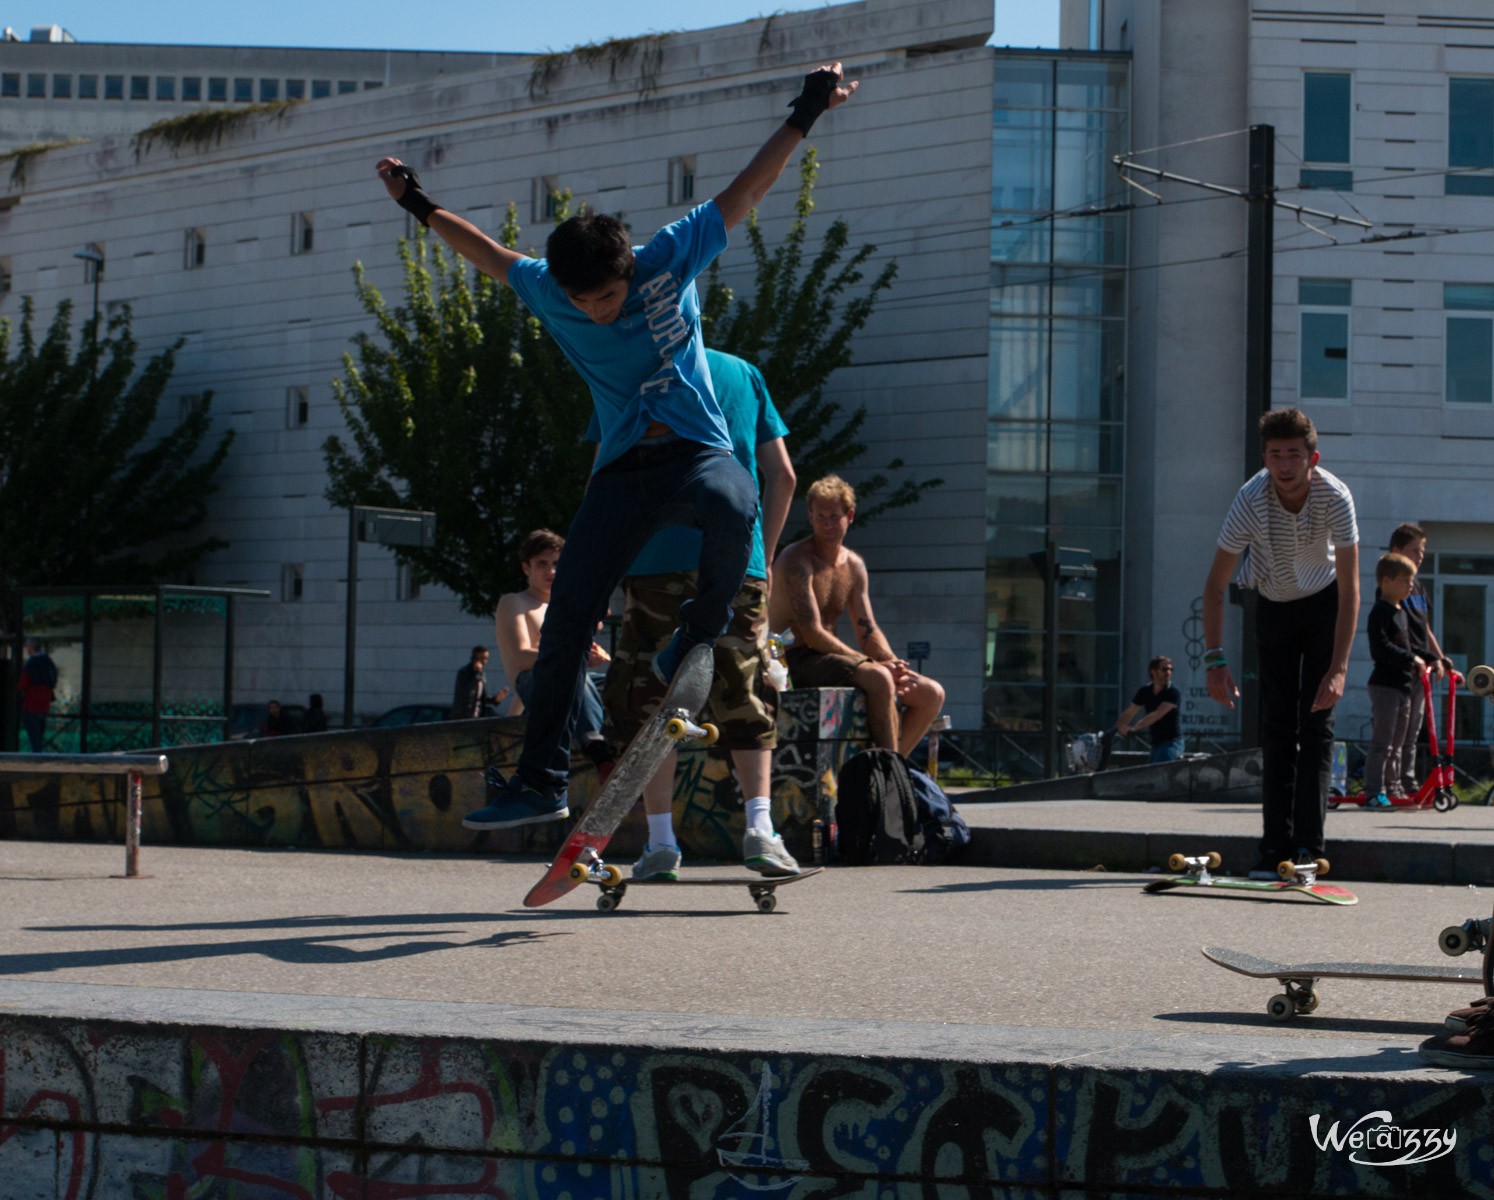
pixel 368 1025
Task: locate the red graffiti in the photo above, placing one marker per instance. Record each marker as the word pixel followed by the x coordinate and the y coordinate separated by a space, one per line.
pixel 427 1085
pixel 74 1113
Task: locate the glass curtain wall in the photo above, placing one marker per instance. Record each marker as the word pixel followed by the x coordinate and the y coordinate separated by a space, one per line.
pixel 1055 439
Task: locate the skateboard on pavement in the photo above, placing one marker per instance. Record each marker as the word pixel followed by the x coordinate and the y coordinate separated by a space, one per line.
pixel 760 887
pixel 1301 880
pixel 580 858
pixel 1298 979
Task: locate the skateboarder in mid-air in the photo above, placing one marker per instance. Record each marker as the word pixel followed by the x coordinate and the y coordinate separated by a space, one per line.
pixel 629 321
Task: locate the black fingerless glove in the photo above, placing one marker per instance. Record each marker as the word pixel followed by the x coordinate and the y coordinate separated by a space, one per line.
pixel 414 200
pixel 813 100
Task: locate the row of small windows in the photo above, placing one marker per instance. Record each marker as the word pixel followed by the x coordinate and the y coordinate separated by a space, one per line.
pixel 188 88
pixel 1327 133
pixel 1468 349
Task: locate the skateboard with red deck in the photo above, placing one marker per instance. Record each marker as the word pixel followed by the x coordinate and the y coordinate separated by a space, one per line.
pixel 1296 879
pixel 580 858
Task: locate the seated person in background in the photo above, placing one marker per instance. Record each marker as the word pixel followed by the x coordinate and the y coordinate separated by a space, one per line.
pixel 817 579
pixel 274 724
pixel 316 716
pixel 517 624
pixel 1160 700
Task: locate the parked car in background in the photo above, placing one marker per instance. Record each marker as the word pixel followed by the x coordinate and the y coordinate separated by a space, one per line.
pixel 244 720
pixel 411 714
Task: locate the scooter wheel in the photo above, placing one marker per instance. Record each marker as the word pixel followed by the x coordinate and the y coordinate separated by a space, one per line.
pixel 1443 802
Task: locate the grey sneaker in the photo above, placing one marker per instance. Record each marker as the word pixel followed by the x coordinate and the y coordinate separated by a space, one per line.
pixel 658 862
pixel 764 853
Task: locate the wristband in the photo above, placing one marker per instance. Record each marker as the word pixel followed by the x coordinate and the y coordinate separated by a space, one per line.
pixel 813 100
pixel 414 201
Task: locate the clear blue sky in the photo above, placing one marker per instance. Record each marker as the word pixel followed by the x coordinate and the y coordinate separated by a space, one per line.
pixel 499 25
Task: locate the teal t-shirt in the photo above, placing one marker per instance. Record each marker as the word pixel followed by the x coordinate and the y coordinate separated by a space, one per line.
pixel 649 364
pixel 752 420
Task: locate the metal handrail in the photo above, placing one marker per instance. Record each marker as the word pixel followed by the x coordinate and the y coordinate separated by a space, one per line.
pixel 132 766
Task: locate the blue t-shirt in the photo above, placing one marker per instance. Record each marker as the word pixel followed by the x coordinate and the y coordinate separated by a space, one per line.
pixel 649 364
pixel 752 420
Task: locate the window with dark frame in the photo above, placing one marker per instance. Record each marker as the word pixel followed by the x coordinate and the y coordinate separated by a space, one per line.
pixel 1469 345
pixel 139 87
pixel 1324 306
pixel 1327 130
pixel 166 87
pixel 10 84
pixel 297 406
pixel 321 89
pixel 295 89
pixel 36 86
pixel 192 88
pixel 62 87
pixel 217 88
pixel 269 89
pixel 196 248
pixel 88 87
pixel 113 87
pixel 1470 137
pixel 243 91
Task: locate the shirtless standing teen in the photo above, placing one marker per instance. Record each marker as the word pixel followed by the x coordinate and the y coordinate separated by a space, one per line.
pixel 817 579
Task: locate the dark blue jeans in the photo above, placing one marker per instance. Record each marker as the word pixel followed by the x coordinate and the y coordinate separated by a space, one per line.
pixel 655 484
pixel 592 715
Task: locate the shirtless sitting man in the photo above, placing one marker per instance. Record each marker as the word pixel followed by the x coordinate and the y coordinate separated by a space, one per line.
pixel 817 579
pixel 517 624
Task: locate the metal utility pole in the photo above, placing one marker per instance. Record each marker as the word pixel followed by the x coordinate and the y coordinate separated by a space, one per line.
pixel 1260 194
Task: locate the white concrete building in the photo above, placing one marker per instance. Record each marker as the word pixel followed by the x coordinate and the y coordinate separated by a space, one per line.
pixel 907 165
pixel 1384 111
pixel 54 88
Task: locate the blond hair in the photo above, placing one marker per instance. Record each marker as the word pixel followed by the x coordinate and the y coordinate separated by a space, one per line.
pixel 832 487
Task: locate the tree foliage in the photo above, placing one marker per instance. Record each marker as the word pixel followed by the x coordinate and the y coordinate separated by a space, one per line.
pixel 84 498
pixel 797 328
pixel 465 407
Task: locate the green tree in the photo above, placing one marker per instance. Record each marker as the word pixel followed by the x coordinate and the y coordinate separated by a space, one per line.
pixel 797 328
pixel 464 406
pixel 84 497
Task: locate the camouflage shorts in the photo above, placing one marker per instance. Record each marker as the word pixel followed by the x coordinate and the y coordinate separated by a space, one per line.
pixel 743 704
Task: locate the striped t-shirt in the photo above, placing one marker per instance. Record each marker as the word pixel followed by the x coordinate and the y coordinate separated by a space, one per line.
pixel 1291 554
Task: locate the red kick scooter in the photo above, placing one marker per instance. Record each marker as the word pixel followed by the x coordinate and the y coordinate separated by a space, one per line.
pixel 1436 790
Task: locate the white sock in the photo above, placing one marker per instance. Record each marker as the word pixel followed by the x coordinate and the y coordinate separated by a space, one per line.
pixel 661 829
pixel 760 815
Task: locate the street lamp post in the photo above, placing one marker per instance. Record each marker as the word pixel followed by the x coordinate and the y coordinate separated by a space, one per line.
pixel 92 255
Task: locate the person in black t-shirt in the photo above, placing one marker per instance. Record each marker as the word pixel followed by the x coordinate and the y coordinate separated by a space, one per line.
pixel 1411 541
pixel 1160 701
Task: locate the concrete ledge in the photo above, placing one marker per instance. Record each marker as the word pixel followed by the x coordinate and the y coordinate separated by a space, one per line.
pixel 108 1091
pixel 1227 777
pixel 1363 859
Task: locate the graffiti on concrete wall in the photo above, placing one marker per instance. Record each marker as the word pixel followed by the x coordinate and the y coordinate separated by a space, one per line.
pixel 408 788
pixel 98 1109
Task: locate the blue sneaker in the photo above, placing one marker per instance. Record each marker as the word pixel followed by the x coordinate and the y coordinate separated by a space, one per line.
pixel 1380 801
pixel 513 803
pixel 668 660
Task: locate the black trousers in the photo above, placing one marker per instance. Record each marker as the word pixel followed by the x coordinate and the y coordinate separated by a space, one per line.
pixel 1295 643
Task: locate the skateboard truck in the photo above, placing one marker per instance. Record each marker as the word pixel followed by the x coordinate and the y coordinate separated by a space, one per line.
pixel 681 728
pixel 589 868
pixel 1468 938
pixel 1303 873
pixel 1198 867
pixel 1299 997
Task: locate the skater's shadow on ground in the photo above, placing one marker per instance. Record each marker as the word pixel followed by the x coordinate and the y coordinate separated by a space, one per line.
pixel 1022 885
pixel 321 950
pixel 1313 1024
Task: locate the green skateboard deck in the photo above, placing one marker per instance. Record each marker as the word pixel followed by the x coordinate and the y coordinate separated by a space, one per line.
pixel 760 887
pixel 1301 881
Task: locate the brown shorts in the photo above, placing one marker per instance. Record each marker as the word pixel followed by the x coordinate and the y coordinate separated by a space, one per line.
pixel 813 668
pixel 743 704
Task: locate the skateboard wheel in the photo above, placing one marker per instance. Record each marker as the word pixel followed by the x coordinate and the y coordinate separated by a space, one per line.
pixel 1321 864
pixel 606 903
pixel 1453 941
pixel 1281 1008
pixel 1307 1003
pixel 1214 860
pixel 767 903
pixel 1286 869
pixel 611 876
pixel 1176 863
pixel 578 872
pixel 675 728
pixel 1481 681
pixel 712 734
